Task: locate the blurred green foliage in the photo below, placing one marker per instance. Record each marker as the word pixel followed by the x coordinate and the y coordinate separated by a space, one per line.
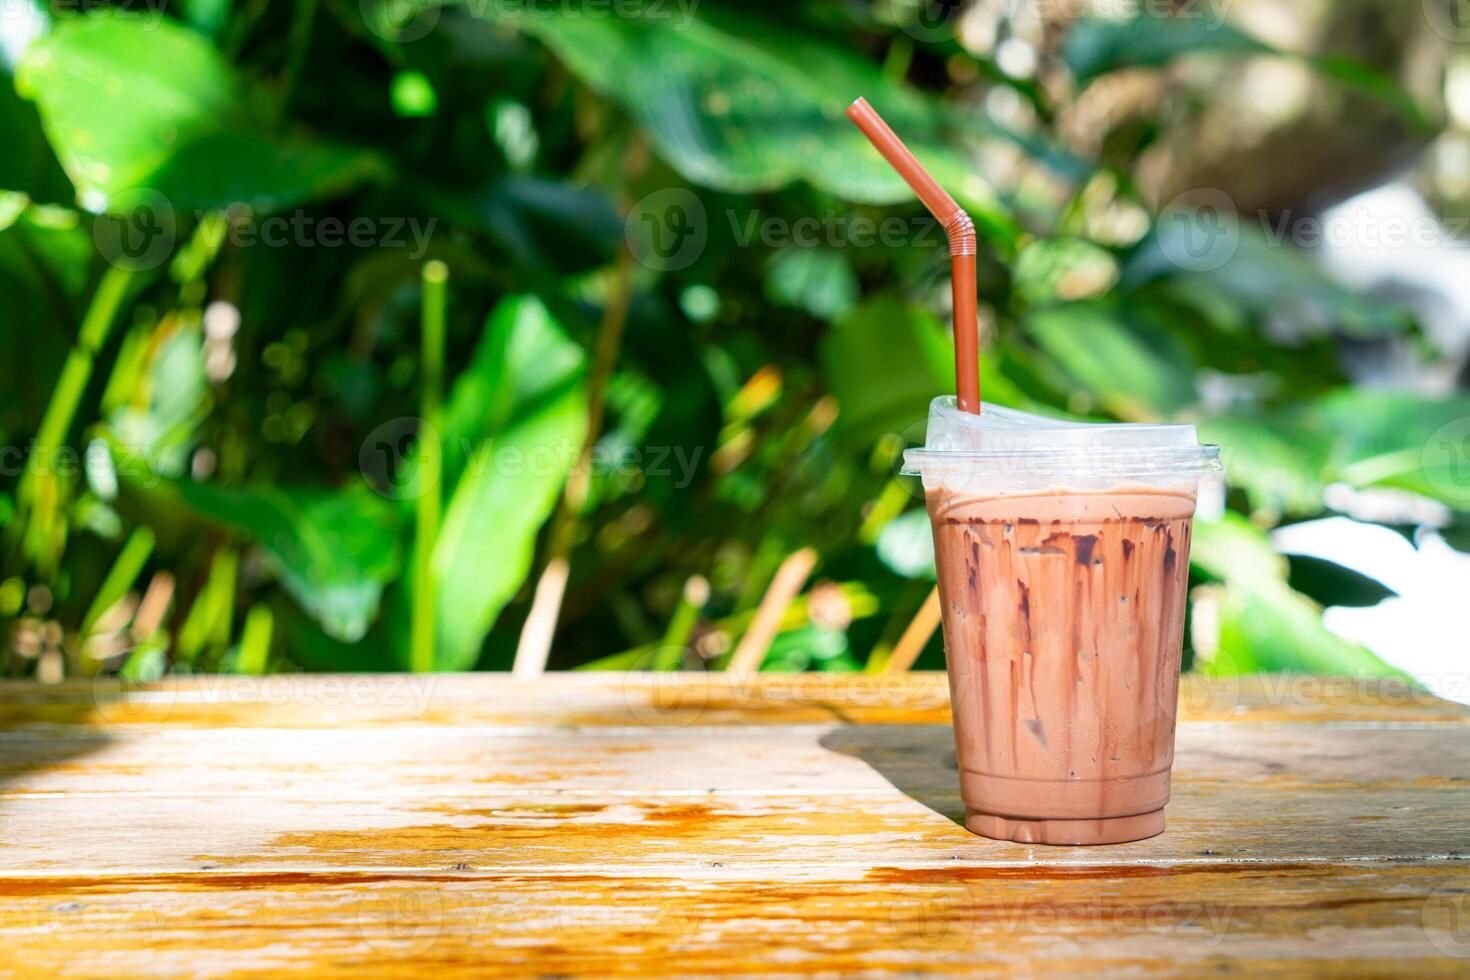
pixel 213 229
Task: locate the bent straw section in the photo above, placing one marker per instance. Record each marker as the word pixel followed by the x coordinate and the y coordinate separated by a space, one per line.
pixel 961 233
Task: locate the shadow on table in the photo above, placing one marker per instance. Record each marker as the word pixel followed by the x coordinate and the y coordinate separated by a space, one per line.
pixel 918 760
pixel 44 727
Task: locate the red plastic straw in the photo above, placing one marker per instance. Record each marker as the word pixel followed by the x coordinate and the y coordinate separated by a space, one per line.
pixel 961 232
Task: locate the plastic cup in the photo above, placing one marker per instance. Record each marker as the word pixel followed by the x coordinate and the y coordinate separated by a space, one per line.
pixel 1063 558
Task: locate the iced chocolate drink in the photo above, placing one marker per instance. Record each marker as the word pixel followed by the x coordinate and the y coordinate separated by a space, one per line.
pixel 1063 554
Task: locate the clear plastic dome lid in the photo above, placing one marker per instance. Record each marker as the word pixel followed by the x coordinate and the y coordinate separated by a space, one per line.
pixel 1007 450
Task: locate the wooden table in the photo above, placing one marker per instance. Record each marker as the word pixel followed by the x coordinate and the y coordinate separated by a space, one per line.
pixel 679 825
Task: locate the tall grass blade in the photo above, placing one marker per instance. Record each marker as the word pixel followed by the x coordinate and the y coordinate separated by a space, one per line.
pixel 428 512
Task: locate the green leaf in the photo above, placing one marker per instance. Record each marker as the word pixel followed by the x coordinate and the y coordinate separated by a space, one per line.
pixel 255 642
pixel 28 165
pixel 379 651
pixel 540 223
pixel 1370 421
pixel 158 418
pixel 1052 269
pixel 1278 464
pixel 1136 373
pixel 1400 439
pixel 1272 628
pixel 1237 267
pixel 523 362
pixel 130 106
pixel 208 17
pixel 46 249
pixel 1096 46
pixel 334 550
pixel 489 534
pixel 887 359
pixel 875 364
pixel 820 281
pixel 906 545
pixel 120 578
pixel 45 259
pixel 1330 584
pixel 1457 535
pixel 1233 549
pixel 1364 437
pixel 1372 82
pixel 737 103
pixel 118 100
pixel 521 411
pixel 1264 624
pixel 809 648
pixel 147 663
pixel 215 169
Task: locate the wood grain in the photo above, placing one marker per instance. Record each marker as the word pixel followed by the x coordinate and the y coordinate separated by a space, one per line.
pixel 686 826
